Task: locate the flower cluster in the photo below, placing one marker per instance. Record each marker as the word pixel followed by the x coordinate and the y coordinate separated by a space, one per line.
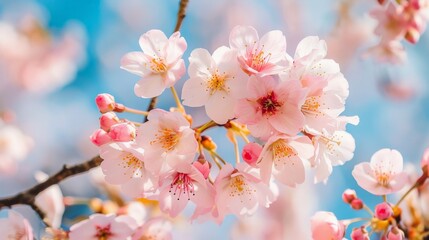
pixel 290 106
pixel 397 20
pixel 383 175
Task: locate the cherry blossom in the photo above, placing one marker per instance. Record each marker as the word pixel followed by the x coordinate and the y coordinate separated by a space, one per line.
pixel 271 107
pixel 324 225
pixel 15 227
pixel 284 157
pixel 215 81
pixel 239 191
pixel 383 175
pixel 100 226
pixel 165 136
pixel 156 228
pixel 160 64
pixel 265 56
pixel 391 22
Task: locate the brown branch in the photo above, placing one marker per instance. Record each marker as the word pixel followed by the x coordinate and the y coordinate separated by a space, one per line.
pixel 28 197
pixel 181 14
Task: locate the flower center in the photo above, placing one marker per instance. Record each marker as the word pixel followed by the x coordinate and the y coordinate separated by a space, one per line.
pixel 239 187
pixel 311 106
pixel 103 233
pixel 182 183
pixel 257 59
pixel 157 65
pixel 382 178
pixel 280 149
pixel 168 138
pixel 269 104
pixel 217 83
pixel 131 161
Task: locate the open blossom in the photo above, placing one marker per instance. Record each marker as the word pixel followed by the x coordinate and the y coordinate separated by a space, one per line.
pixel 50 201
pixel 15 227
pixel 215 81
pixel 383 175
pixel 100 226
pixel 185 183
pixel 265 56
pixel 284 157
pixel 160 64
pixel 324 225
pixel 392 23
pixel 165 136
pixel 271 107
pixel 155 228
pixel 239 191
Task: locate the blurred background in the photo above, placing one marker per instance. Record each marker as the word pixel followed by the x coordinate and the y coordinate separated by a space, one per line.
pixel 56 56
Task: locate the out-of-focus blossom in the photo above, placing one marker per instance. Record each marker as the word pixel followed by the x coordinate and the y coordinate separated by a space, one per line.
pixel 100 226
pixel 215 81
pixel 383 211
pixel 265 56
pixel 14 147
pixel 399 91
pixel 251 153
pixel 50 201
pixel 271 107
pixel 425 160
pixel 324 225
pixel 160 64
pixel 383 175
pixel 165 136
pixel 390 52
pixel 156 228
pixel 16 227
pixel 392 24
pixel 359 234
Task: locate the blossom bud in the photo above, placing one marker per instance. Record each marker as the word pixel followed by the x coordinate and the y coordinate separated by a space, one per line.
pixel 251 152
pixel 425 160
pixel 107 120
pixel 356 204
pixel 412 35
pixel 122 132
pixel 203 166
pixel 383 211
pixel 105 102
pixel 208 143
pixel 395 234
pixel 100 137
pixel 359 234
pixel 349 195
pixel 324 225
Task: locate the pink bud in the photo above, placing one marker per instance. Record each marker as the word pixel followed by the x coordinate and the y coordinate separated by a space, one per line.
pixel 381 2
pixel 100 137
pixel 412 35
pixel 324 225
pixel 425 159
pixel 105 102
pixel 395 234
pixel 356 204
pixel 107 120
pixel 383 211
pixel 359 234
pixel 251 152
pixel 202 166
pixel 349 195
pixel 122 132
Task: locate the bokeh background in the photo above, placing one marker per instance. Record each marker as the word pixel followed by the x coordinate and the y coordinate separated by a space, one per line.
pixel 76 46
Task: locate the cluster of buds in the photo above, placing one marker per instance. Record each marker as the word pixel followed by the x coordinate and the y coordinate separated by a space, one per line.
pixel 387 219
pixel 397 20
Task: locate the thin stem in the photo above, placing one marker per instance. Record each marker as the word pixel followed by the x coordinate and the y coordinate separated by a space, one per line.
pixel 244 137
pixel 236 149
pixel 406 194
pixel 368 210
pixel 353 220
pixel 218 156
pixel 384 198
pixel 177 100
pixel 206 126
pixel 135 111
pixel 215 160
pixel 136 123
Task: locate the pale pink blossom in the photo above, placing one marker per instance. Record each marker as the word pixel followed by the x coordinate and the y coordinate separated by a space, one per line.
pixel 216 82
pixel 272 107
pixel 124 162
pixel 122 132
pixel 156 228
pixel 331 150
pixel 324 225
pixel 160 64
pixel 100 137
pixel 165 136
pixel 183 184
pixel 251 152
pixel 100 226
pixel 284 158
pixel 383 175
pixel 265 56
pixel 15 227
pixel 240 191
pixel 392 24
pixel 105 102
pixel 50 201
pixel 383 211
pixel 136 210
pixel 389 52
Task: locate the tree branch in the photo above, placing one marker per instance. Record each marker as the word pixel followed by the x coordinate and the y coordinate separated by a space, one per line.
pixel 181 14
pixel 28 197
